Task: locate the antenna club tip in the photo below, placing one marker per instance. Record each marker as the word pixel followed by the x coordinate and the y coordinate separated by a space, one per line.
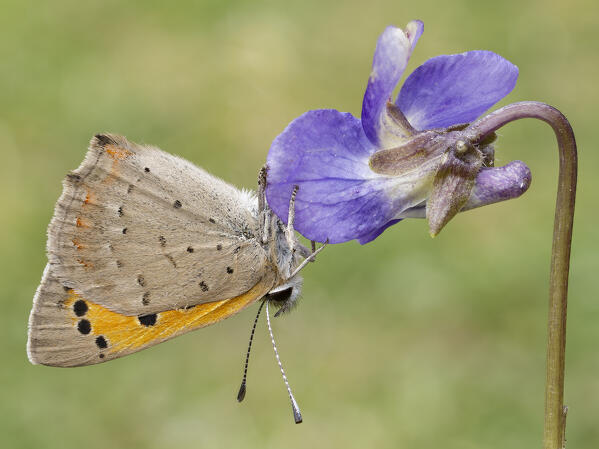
pixel 241 394
pixel 297 415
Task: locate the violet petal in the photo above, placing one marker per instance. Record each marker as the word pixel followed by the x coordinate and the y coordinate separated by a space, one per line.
pixel 393 50
pixel 452 89
pixel 325 153
pixel 373 235
pixel 414 30
pixel 499 184
pixel 493 184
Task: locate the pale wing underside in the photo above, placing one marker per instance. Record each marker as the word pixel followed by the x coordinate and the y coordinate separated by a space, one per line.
pixel 67 329
pixel 140 231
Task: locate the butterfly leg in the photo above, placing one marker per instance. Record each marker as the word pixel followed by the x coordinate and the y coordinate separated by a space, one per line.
pixel 308 259
pixel 293 243
pixel 313 244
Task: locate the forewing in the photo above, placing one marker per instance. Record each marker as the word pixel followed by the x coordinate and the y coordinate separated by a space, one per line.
pixel 140 231
pixel 67 329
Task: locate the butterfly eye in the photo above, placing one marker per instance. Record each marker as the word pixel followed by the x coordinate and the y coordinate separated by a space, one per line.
pixel 279 296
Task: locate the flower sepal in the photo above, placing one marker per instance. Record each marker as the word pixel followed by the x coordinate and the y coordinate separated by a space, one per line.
pixel 453 184
pixel 445 158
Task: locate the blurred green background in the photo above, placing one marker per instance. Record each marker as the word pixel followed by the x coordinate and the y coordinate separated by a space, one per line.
pixel 406 342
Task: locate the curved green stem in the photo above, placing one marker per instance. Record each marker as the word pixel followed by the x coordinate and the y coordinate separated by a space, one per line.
pixel 555 418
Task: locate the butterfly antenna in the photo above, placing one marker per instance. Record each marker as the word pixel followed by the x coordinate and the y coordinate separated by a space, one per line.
pixel 242 388
pixel 297 415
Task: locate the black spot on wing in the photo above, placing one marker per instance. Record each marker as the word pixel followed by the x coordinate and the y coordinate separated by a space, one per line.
pixel 162 241
pixel 177 204
pixel 145 299
pixel 120 211
pixel 84 326
pixel 189 249
pixel 211 220
pixel 147 320
pixel 141 280
pixel 147 169
pixel 80 307
pixel 204 286
pixel 101 342
pixel 124 230
pixel 229 270
pixel 130 188
pixel 219 247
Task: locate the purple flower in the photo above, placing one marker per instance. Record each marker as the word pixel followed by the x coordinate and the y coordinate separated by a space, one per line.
pixel 407 159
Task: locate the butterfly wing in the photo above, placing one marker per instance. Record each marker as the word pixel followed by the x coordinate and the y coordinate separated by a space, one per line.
pixel 67 329
pixel 139 231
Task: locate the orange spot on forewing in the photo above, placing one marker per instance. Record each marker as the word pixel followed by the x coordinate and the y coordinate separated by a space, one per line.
pixel 81 223
pixel 89 198
pixel 117 153
pixel 86 264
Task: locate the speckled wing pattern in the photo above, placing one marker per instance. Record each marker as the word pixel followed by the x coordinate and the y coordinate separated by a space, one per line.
pixel 138 230
pixel 150 246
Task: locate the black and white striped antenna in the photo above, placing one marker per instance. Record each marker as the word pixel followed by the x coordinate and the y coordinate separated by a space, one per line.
pixel 297 415
pixel 242 388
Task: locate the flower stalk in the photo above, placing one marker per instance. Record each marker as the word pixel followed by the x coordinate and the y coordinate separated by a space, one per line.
pixel 555 412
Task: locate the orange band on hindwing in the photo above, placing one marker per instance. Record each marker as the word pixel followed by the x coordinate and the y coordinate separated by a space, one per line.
pixel 114 332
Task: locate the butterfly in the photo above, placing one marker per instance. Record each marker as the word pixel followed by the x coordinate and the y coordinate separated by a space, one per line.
pixel 145 246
